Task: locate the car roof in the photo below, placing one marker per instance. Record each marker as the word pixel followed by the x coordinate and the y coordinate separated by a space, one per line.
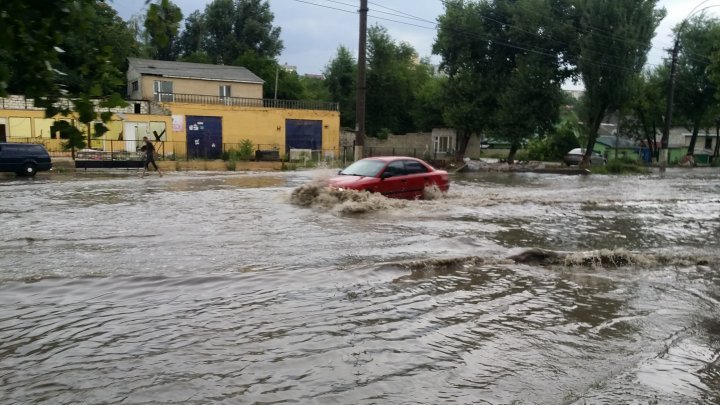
pixel 390 158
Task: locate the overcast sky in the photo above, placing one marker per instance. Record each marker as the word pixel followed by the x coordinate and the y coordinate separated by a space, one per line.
pixel 312 30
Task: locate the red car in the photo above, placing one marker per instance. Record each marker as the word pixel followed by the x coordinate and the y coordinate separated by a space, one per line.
pixel 391 176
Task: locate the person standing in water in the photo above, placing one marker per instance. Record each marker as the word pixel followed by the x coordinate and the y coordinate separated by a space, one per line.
pixel 149 156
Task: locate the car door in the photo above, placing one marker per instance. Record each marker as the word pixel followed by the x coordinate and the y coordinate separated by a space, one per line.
pixel 416 179
pixel 392 180
pixel 9 158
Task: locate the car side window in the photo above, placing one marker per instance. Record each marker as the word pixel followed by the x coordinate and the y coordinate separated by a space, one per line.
pixel 396 168
pixel 413 167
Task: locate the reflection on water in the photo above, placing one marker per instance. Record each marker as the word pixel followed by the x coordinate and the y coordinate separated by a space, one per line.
pixel 217 288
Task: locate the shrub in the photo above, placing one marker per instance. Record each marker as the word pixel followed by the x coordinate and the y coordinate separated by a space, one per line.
pixel 620 166
pixel 246 152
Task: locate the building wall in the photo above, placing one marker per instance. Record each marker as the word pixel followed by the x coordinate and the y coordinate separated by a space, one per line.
pixel 265 127
pixel 200 87
pixel 32 126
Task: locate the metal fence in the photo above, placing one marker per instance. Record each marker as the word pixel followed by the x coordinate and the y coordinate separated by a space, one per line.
pixel 247 102
pixel 179 150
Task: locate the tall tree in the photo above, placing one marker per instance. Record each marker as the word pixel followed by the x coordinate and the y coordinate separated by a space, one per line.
pixel 530 96
pixel 389 83
pixel 614 38
pixel 95 54
pixel 192 38
pixel 162 24
pixel 253 29
pixel 232 29
pixel 695 92
pixel 219 41
pixel 29 33
pixel 646 107
pixel 340 78
pixel 462 42
pixel 506 61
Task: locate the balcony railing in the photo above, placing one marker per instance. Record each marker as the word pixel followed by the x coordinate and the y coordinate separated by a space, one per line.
pixel 246 102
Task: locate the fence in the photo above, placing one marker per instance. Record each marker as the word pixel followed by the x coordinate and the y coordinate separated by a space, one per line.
pixel 180 150
pixel 247 102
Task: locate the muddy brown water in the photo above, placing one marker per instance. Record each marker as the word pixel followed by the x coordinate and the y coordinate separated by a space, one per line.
pixel 263 288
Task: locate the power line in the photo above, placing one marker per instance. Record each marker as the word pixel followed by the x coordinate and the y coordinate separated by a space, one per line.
pixel 435 26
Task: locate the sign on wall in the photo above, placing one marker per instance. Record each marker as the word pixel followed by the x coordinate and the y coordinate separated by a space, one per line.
pixel 177 122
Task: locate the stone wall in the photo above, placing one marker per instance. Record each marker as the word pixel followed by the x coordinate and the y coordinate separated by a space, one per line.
pixel 15 102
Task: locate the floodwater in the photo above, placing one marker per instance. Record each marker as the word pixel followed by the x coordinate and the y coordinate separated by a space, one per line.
pixel 227 288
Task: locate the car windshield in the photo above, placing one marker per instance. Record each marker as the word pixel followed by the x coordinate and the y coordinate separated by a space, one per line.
pixel 366 167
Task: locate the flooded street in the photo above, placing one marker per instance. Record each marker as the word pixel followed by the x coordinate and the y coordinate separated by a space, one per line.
pixel 200 288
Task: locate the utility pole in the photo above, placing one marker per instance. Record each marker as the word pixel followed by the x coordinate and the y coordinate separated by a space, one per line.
pixel 669 108
pixel 361 86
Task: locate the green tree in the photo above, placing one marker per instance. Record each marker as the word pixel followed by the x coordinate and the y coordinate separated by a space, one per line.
pixel 390 83
pixel 315 88
pixel 427 111
pixel 340 78
pixel 29 33
pixel 232 29
pixel 162 24
pixel 468 97
pixel 695 93
pixel 78 48
pixel 505 61
pixel 609 59
pixel 646 107
pixel 192 39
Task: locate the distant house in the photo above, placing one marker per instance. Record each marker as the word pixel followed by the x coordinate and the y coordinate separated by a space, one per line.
pixel 607 145
pixel 165 81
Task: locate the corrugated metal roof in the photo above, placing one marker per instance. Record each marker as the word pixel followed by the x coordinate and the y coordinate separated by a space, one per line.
pixel 189 70
pixel 622 142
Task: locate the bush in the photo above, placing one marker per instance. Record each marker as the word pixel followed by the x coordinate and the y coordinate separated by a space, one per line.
pixel 553 147
pixel 620 166
pixel 383 133
pixel 246 152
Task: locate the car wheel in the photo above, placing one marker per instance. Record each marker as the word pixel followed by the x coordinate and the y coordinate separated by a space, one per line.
pixel 29 170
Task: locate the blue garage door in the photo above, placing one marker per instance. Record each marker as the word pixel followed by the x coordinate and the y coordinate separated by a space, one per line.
pixel 204 137
pixel 303 134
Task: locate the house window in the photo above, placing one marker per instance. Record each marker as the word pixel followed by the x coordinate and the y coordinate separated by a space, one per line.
pixel 135 86
pixel 442 144
pixel 708 142
pixel 225 91
pixel 163 91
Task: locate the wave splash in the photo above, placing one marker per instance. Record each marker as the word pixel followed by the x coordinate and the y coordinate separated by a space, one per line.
pixel 547 258
pixel 317 194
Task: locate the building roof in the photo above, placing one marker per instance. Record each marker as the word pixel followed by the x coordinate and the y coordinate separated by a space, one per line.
pixel 187 70
pixel 622 142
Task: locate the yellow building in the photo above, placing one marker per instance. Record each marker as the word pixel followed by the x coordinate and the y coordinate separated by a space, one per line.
pixel 192 110
pixel 215 108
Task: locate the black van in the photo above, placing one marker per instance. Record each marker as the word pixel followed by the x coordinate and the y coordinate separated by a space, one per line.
pixel 25 159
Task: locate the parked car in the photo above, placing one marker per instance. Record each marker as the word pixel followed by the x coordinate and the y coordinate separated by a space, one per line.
pixel 575 157
pixel 25 159
pixel 391 176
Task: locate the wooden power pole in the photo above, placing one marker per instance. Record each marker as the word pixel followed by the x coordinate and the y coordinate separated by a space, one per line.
pixel 361 86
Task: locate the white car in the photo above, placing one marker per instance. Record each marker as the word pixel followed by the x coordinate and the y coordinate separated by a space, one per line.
pixel 575 157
